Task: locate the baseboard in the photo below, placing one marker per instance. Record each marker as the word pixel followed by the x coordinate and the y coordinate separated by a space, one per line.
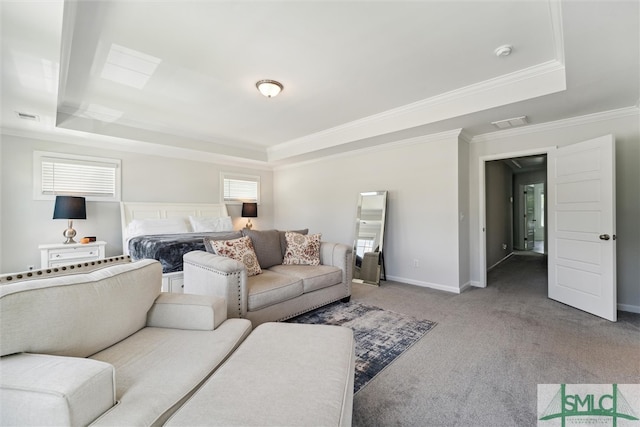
pixel 437 286
pixel 501 261
pixel 630 308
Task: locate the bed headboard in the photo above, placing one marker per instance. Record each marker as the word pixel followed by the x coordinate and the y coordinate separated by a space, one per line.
pixel 143 210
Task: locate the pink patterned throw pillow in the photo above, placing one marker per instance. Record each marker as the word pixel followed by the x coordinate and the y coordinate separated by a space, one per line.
pixel 241 250
pixel 302 249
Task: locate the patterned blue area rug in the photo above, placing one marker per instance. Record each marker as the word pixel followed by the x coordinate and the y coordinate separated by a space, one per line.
pixel 381 336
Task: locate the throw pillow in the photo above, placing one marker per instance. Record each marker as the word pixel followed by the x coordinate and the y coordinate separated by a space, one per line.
pixel 302 249
pixel 266 243
pixel 283 240
pixel 241 250
pixel 223 235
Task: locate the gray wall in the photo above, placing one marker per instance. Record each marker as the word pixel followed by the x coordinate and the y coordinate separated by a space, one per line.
pixel 499 217
pixel 26 223
pixel 423 216
pixel 428 221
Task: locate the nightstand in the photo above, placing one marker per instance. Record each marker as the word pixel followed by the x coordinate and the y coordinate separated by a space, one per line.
pixel 58 254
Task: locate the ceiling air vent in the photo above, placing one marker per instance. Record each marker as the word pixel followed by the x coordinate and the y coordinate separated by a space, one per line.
pixel 510 123
pixel 27 116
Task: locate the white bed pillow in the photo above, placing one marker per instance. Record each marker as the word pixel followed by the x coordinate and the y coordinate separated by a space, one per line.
pixel 210 224
pixel 140 227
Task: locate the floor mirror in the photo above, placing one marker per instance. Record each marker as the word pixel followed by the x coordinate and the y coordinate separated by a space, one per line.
pixel 368 258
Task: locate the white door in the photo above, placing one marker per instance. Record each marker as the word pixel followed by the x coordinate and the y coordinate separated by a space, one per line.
pixel 582 247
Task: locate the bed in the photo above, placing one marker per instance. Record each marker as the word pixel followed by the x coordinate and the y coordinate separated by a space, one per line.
pixel 154 230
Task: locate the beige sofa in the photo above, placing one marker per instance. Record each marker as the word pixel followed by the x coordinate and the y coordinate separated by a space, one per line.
pixel 106 347
pixel 280 291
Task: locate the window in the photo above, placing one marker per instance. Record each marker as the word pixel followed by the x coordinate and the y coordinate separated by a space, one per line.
pixel 240 188
pixel 97 179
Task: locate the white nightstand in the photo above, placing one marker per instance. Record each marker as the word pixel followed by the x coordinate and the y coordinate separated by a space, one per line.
pixel 58 254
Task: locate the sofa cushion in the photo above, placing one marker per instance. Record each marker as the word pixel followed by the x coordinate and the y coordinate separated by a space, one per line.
pixel 38 389
pixel 302 249
pixel 241 250
pixel 271 288
pixel 266 243
pixel 80 314
pixel 158 369
pixel 284 374
pixel 313 277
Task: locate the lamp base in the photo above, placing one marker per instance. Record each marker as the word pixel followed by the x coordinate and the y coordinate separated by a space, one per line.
pixel 69 233
pixel 249 225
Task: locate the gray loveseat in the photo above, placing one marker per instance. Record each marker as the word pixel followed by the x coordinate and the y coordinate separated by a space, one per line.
pixel 106 347
pixel 280 291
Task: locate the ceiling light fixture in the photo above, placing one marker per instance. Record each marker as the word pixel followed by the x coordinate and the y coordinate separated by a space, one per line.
pixel 504 50
pixel 269 88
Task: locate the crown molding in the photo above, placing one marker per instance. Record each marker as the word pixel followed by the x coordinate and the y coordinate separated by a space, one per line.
pixel 133 146
pixel 538 80
pixel 558 124
pixel 422 139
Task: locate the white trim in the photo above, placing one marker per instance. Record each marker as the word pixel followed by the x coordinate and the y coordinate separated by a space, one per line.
pixel 558 124
pixel 542 79
pixel 422 139
pixel 500 262
pixel 438 286
pixel 482 241
pixel 629 308
pixel 86 139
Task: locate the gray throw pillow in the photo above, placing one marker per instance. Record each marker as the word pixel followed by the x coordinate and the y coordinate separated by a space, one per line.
pixel 221 235
pixel 283 240
pixel 266 244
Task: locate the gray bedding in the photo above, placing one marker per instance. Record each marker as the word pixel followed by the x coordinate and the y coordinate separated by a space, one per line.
pixel 169 248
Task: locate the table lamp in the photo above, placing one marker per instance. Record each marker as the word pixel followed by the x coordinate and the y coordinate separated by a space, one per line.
pixel 70 208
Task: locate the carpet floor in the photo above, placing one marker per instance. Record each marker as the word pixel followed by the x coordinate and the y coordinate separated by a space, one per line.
pixel 381 336
pixel 481 365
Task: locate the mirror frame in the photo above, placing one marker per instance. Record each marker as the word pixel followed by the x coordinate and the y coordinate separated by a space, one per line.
pixel 370 267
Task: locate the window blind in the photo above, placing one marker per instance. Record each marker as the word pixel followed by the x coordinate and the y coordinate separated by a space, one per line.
pixel 81 177
pixel 241 189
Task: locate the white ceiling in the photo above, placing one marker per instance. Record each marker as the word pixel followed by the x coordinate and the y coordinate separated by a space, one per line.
pixel 355 73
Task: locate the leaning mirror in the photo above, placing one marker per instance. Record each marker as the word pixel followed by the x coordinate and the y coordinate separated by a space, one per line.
pixel 367 247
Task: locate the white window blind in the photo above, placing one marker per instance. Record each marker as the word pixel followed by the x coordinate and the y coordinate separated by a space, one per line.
pixel 241 188
pixel 93 178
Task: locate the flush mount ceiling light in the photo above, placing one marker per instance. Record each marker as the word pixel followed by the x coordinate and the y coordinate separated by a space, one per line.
pixel 504 50
pixel 269 88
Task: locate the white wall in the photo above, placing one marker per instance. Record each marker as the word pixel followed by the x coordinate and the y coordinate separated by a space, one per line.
pixel 26 223
pixel 626 128
pixel 422 217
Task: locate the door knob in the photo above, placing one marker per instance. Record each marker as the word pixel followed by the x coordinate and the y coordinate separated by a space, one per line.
pixel 604 237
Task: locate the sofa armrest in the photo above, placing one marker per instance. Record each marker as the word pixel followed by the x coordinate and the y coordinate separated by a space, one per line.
pixel 39 389
pixel 183 311
pixel 210 274
pixel 338 255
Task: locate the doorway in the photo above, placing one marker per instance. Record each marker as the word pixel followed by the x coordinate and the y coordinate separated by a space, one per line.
pixel 515 208
pixel 530 213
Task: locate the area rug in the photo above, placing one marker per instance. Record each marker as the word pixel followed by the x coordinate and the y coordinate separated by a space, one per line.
pixel 381 336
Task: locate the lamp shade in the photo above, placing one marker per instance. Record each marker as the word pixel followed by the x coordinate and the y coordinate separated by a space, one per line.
pixel 70 207
pixel 249 210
